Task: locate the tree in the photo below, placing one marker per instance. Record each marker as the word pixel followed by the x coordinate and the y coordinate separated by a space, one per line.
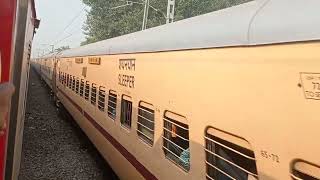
pixel 103 22
pixel 62 48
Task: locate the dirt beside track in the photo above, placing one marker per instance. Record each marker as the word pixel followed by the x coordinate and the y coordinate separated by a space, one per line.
pixel 54 147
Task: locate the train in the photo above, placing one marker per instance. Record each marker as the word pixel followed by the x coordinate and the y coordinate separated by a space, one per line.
pixel 18 19
pixel 232 94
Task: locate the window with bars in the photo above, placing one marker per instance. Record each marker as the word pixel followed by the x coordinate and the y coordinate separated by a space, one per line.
pixel 126 111
pixel 70 82
pixel 112 104
pixel 67 80
pixel 301 169
pixel 93 94
pixel 73 83
pixel 228 156
pixel 86 91
pixel 176 140
pixel 77 86
pixel 101 98
pixel 81 87
pixel 145 128
pixel 63 78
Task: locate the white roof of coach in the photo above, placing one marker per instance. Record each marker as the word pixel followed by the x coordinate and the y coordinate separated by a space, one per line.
pixel 253 23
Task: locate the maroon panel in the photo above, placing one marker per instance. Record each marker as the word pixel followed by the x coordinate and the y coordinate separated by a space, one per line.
pixel 130 157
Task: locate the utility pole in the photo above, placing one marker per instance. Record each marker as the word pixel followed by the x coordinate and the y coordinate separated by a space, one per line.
pixel 170 11
pixel 145 14
pixel 52 48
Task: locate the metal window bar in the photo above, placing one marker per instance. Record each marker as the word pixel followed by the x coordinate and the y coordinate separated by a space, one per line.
pixel 64 79
pixel 223 172
pixel 145 118
pixel 174 154
pixel 229 148
pixel 77 86
pixel 176 145
pixel 86 92
pixel 211 143
pixel 73 83
pixel 112 105
pixel 239 167
pixel 145 126
pixel 93 94
pixel 169 121
pixel 81 87
pixel 142 109
pixel 101 99
pixel 151 139
pixel 170 131
pixel 295 177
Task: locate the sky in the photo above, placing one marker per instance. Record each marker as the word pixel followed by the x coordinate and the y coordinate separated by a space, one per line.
pixel 61 23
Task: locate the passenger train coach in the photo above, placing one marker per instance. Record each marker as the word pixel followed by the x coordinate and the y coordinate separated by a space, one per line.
pixel 232 94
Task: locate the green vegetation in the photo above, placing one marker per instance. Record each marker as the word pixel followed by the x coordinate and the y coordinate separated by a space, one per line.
pixel 103 22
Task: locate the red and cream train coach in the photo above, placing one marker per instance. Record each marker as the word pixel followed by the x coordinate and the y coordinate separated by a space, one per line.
pixel 17 28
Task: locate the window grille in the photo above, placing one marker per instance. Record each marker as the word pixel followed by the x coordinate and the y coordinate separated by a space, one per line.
pixel 67 80
pixel 176 140
pixel 126 112
pixel 77 86
pixel 93 94
pixel 145 128
pixel 63 78
pixel 81 87
pixel 86 92
pixel 73 83
pixel 101 98
pixel 303 170
pixel 228 156
pixel 112 104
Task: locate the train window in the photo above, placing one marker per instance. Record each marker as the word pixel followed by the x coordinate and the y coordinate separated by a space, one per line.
pixel 301 169
pixel 101 98
pixel 93 94
pixel 77 86
pixel 112 104
pixel 86 91
pixel 67 79
pixel 81 87
pixel 176 140
pixel 126 111
pixel 62 78
pixel 145 122
pixel 228 156
pixel 73 83
pixel 70 81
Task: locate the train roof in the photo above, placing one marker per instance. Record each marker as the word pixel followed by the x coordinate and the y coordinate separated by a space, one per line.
pixel 257 22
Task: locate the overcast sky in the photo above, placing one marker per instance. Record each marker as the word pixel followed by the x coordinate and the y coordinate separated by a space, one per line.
pixel 61 23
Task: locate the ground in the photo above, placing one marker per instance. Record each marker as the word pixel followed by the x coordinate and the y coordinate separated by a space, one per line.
pixel 54 147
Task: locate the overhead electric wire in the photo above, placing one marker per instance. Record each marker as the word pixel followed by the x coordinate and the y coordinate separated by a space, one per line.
pixel 67 26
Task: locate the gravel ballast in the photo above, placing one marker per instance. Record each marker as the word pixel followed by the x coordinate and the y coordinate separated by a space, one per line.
pixel 54 147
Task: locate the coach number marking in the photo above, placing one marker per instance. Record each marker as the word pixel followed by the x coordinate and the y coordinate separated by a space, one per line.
pixel 268 155
pixel 311 85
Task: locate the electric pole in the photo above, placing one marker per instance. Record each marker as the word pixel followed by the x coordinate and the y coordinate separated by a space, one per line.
pixel 170 11
pixel 145 14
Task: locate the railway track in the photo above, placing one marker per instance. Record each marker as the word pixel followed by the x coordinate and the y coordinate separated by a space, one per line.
pixel 54 147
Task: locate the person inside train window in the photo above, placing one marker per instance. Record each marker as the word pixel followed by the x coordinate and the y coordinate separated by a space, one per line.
pixel 178 143
pixel 6 91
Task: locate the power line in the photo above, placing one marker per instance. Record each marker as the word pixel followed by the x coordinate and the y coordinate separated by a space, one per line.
pixel 69 24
